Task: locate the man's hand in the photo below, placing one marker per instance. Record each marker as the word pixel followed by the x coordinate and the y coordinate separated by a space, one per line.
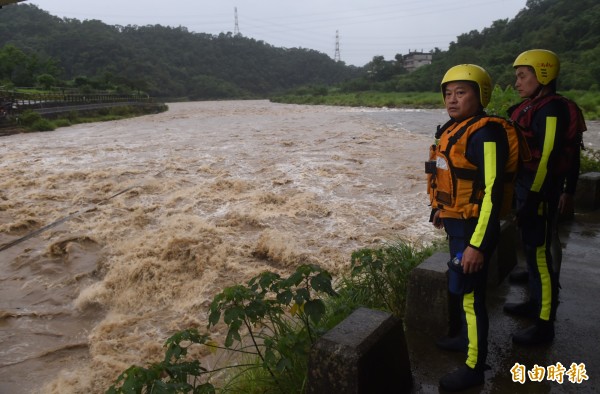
pixel 565 204
pixel 437 220
pixel 472 260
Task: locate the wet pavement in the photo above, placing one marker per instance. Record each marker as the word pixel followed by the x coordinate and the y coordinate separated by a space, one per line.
pixel 577 328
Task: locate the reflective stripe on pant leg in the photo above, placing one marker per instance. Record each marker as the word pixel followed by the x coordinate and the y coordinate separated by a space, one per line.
pixel 472 335
pixel 477 323
pixel 542 253
pixel 545 280
pixel 542 266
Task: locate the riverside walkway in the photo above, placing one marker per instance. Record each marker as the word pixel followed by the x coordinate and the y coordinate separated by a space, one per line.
pixel 577 327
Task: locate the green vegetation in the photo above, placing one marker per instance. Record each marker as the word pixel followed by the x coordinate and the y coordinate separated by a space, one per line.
pixel 280 340
pixel 379 277
pixel 501 100
pixel 175 374
pixel 273 321
pixel 588 101
pixel 32 121
pixel 567 27
pixel 166 62
pixel 364 99
pixel 590 160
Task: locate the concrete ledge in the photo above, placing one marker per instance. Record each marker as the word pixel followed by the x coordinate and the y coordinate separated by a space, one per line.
pixel 365 353
pixel 504 258
pixel 427 296
pixel 587 196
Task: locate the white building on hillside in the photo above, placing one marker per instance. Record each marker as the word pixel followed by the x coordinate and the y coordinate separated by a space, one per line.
pixel 416 59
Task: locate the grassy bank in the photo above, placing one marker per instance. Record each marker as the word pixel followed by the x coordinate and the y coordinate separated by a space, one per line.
pixel 32 121
pixel 366 99
pixel 502 99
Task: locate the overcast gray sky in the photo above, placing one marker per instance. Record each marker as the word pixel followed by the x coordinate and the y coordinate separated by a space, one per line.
pixel 366 28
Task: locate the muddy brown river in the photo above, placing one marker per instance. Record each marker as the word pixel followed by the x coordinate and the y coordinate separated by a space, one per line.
pixel 117 234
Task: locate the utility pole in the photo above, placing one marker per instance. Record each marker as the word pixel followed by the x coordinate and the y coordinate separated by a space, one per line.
pixel 336 56
pixel 236 29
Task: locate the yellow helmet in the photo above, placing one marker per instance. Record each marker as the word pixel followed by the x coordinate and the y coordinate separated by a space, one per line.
pixel 545 64
pixel 474 73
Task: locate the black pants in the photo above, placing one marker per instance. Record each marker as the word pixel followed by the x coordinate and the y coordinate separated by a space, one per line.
pixel 468 311
pixel 537 230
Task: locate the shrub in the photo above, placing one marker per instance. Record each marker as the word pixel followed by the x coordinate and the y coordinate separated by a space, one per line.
pixel 502 100
pixel 590 160
pixel 28 118
pixel 121 111
pixel 73 116
pixel 280 340
pixel 379 276
pixel 35 122
pixel 174 374
pixel 42 125
pixel 62 122
pixel 278 316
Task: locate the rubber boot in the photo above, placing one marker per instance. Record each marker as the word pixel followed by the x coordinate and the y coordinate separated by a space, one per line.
pixel 541 333
pixel 458 343
pixel 462 378
pixel 522 309
pixel 519 277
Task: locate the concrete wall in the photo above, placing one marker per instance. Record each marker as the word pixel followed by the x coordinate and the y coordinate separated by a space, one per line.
pixel 365 353
pixel 587 196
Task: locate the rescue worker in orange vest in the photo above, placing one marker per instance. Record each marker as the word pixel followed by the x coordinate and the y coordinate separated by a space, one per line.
pixel 471 167
pixel 553 126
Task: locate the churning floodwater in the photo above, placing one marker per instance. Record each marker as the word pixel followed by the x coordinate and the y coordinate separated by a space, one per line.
pixel 144 220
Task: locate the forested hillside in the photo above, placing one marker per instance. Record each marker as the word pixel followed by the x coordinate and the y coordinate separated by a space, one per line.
pixel 571 28
pixel 37 48
pixel 162 61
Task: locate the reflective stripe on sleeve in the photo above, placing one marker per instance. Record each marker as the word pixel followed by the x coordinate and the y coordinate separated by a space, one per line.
pixel 489 163
pixel 549 137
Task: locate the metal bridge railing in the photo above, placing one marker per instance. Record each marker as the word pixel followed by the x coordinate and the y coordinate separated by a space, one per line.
pixel 16 102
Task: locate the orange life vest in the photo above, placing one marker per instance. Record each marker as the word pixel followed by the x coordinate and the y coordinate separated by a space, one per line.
pixel 453 187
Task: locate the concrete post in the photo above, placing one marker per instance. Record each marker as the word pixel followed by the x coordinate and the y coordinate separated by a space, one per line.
pixel 365 353
pixel 504 258
pixel 587 196
pixel 427 296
